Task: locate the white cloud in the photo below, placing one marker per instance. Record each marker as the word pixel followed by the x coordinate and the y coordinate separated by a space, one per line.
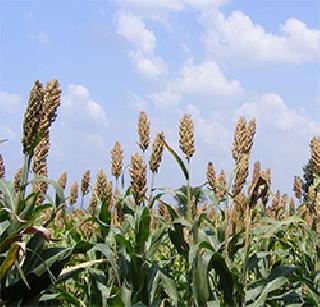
pixel 165 99
pixel 204 81
pixel 77 106
pixel 205 78
pixel 143 57
pixel 152 66
pixel 133 29
pixel 237 39
pixel 9 102
pixel 272 112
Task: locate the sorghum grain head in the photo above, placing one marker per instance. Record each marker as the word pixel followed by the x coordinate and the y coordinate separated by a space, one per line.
pixel 143 131
pixel 211 176
pixel 138 174
pixel 74 191
pixel 221 185
pixel 187 136
pixel 157 151
pixel 85 182
pixel 297 187
pixel 62 181
pixel 32 117
pixel 18 179
pixel 315 154
pixel 116 160
pixel 241 174
pixel 103 188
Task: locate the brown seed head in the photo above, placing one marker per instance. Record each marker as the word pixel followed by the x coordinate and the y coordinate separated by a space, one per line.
pixel 240 202
pixel 315 154
pixel 187 136
pixel 157 151
pixel 282 208
pixel 297 187
pixel 2 168
pixel 251 131
pixel 138 174
pixel 243 138
pixel 62 181
pixel 211 177
pixel 241 174
pixel 74 191
pixel 51 102
pixel 291 207
pixel 275 203
pixel 143 131
pixel 311 194
pixel 32 117
pixel 116 160
pixel 18 179
pixel 221 186
pixel 85 182
pixel 103 187
pixel 239 138
pixel 255 174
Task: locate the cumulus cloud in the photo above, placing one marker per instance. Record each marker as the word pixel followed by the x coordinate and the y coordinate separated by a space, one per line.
pixel 143 57
pixel 78 106
pixel 205 81
pixel 237 39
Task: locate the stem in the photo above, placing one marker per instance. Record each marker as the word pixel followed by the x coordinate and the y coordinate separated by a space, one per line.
pixel 22 192
pixel 151 191
pixel 189 208
pixel 82 201
pixel 246 249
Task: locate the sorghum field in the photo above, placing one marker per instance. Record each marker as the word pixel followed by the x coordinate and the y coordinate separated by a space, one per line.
pixel 230 241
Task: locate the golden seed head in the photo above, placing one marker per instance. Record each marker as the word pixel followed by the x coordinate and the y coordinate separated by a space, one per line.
pixel 311 194
pixel 103 187
pixel 138 174
pixel 187 136
pixel 291 207
pixel 2 168
pixel 116 160
pixel 18 179
pixel 315 154
pixel 85 182
pixel 240 202
pixel 143 131
pixel 157 151
pixel 251 131
pixel 32 116
pixel 297 187
pixel 92 208
pixel 241 174
pixel 255 175
pixel 41 151
pixel 221 185
pixel 239 138
pixel 275 201
pixel 243 138
pixel 211 176
pixel 74 191
pixel 62 181
pixel 282 208
pixel 51 102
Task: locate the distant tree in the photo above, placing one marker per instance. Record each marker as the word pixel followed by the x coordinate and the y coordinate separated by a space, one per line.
pixel 308 177
pixel 181 198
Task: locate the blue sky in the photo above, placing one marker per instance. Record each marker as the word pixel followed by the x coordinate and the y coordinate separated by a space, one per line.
pixel 216 59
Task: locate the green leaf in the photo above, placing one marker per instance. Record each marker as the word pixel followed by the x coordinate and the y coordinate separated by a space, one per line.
pixel 9 260
pixel 168 286
pixel 275 284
